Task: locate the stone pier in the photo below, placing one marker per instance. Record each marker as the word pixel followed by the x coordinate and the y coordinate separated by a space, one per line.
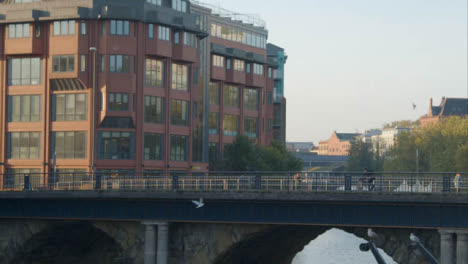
pixel 161 252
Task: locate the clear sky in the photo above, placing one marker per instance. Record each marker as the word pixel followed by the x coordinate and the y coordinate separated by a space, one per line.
pixel 357 64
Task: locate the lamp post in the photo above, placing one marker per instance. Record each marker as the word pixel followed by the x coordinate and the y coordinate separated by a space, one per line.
pixel 93 112
pixel 370 246
pixel 417 243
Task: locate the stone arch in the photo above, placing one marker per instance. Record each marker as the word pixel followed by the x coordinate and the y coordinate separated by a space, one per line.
pixel 280 244
pixel 68 242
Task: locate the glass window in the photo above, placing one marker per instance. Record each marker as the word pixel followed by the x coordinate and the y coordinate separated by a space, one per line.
pixel 68 145
pixel 231 96
pixel 23 145
pixel 24 108
pixel 119 63
pixel 214 93
pixel 190 40
pixel 213 151
pixel 250 127
pixel 83 27
pixel 180 77
pixel 63 63
pixel 179 113
pixel 154 73
pixel 179 148
pixel 154 2
pixel 15 178
pixel 164 33
pixel 64 28
pixel 179 5
pixel 250 99
pixel 270 99
pixel 24 71
pixel 118 101
pixel 258 69
pixel 69 107
pixel 176 37
pixel 218 61
pixel 228 63
pixel 239 65
pixel 82 63
pixel 269 72
pixel 116 145
pixel 248 67
pixel 154 144
pixel 231 125
pixel 154 109
pixel 213 123
pixel 120 27
pixel 150 31
pixel 18 30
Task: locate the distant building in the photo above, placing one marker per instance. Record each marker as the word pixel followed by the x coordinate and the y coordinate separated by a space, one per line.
pixel 387 139
pixel 300 146
pixel 368 134
pixel 448 107
pixel 338 145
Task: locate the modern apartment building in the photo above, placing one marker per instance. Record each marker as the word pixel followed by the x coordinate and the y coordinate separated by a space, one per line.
pixel 128 86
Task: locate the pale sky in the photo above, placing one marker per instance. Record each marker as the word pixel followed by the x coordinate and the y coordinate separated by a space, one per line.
pixel 357 64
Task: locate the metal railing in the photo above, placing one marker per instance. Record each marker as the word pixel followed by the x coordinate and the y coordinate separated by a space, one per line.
pixel 398 182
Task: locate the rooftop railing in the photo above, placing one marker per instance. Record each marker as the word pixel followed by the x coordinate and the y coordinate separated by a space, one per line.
pixel 353 182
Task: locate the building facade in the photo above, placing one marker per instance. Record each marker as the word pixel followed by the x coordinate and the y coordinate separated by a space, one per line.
pixel 447 107
pixel 116 86
pixel 339 144
pixel 387 139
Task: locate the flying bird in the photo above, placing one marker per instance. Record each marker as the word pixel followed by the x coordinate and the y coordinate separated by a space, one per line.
pixel 371 233
pixel 414 238
pixel 414 106
pixel 199 204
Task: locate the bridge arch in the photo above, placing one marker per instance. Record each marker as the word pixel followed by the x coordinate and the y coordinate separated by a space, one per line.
pixel 279 245
pixel 69 242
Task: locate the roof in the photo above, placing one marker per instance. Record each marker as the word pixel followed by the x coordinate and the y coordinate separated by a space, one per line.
pixel 454 106
pixel 347 136
pixel 272 50
pixel 72 84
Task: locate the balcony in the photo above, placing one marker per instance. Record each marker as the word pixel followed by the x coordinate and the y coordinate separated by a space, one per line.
pixel 255 80
pixel 233 76
pixel 218 73
pixel 157 47
pixel 20 46
pixel 184 53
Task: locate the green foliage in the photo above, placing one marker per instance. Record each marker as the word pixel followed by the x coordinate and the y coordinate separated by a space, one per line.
pixel 441 147
pixel 242 155
pixel 402 123
pixel 361 155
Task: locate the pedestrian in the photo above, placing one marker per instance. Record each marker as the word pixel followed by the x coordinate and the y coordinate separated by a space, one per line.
pixel 363 179
pixel 457 182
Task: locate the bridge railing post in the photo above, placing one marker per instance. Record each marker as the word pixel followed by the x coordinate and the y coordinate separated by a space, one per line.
pixel 348 179
pixel 258 181
pixel 26 182
pixel 446 183
pixel 175 182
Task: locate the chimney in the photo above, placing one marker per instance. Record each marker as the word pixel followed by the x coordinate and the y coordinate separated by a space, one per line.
pixel 430 107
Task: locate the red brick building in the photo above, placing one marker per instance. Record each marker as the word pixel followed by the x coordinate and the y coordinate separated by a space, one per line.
pixel 339 144
pixel 447 107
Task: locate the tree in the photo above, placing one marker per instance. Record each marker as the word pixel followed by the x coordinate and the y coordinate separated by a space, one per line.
pixel 243 155
pixel 361 156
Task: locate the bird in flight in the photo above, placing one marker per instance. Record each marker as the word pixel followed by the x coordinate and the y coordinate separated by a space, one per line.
pixel 414 106
pixel 199 204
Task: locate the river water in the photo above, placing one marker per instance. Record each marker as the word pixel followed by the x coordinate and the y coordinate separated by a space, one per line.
pixel 337 247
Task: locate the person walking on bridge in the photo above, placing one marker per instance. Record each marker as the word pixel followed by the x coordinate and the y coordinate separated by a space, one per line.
pixel 457 182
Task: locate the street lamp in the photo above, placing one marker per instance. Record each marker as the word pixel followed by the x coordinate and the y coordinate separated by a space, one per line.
pixel 93 111
pixel 417 243
pixel 370 246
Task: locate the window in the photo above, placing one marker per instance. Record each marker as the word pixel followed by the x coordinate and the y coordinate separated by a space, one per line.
pixel 154 109
pixel 82 63
pixel 239 65
pixel 119 63
pixel 179 147
pixel 69 107
pixel 118 102
pixel 213 123
pixel 195 110
pixel 154 73
pixel 103 63
pixel 248 67
pixel 64 28
pixel 150 31
pixel 250 127
pixel 68 145
pixel 213 151
pixel 24 71
pixel 15 177
pixel 180 77
pixel 116 145
pixel 179 5
pixel 103 28
pixel 154 2
pixel 153 149
pixel 23 145
pixel 218 61
pixel 18 30
pixel 250 99
pixel 270 124
pixel 63 63
pixel 269 72
pixel 179 113
pixel 190 40
pixel 231 125
pixel 176 37
pixel 231 96
pixel 120 27
pixel 270 99
pixel 228 63
pixel 258 69
pixel 214 93
pixel 37 30
pixel 25 1
pixel 164 33
pixel 24 108
pixel 83 27
pixel 233 33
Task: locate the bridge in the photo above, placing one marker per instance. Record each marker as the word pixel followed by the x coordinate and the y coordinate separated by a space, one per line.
pixel 397 201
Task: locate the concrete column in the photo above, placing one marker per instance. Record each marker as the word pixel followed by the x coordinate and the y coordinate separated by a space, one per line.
pixel 462 247
pixel 447 247
pixel 150 246
pixel 163 242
